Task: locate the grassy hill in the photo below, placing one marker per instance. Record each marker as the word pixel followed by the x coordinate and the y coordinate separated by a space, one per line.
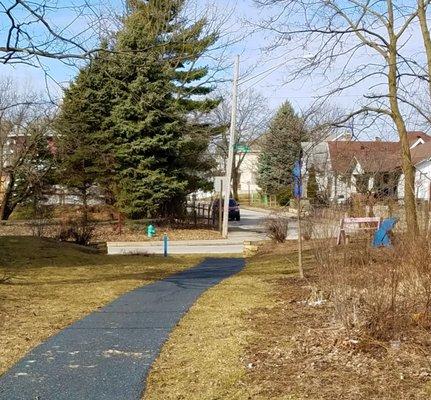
pixel 49 285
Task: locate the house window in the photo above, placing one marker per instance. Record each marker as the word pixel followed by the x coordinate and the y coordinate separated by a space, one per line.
pixel 386 184
pixel 362 182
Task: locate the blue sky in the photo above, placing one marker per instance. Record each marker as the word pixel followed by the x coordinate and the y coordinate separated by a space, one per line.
pixel 269 69
pixel 53 74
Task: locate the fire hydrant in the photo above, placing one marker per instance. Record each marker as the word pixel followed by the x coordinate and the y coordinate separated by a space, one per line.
pixel 151 231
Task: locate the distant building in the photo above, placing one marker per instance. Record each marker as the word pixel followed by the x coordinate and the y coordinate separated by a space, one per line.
pixel 345 167
pixel 421 158
pixel 248 170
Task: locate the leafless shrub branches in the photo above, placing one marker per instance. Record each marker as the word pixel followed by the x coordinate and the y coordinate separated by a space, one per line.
pixel 24 144
pixel 276 227
pixel 382 294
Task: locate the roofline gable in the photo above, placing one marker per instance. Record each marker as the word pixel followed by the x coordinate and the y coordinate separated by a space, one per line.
pixel 418 142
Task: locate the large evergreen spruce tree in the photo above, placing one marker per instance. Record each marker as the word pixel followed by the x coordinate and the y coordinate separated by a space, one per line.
pixel 82 145
pixel 141 97
pixel 281 147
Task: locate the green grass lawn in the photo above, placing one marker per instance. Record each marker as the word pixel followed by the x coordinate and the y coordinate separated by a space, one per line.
pixel 53 284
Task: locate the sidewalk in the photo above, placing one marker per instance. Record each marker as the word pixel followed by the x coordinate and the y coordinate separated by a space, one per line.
pixel 264 210
pixel 108 354
pixel 233 245
pixel 216 246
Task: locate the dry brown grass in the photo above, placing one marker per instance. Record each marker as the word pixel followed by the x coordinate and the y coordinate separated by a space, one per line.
pixel 384 294
pixel 300 354
pixel 106 232
pixel 205 357
pixel 264 334
pixel 53 284
pixel 357 329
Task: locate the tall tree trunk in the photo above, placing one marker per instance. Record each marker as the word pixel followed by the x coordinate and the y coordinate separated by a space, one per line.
pixel 426 38
pixel 5 207
pixel 84 197
pixel 235 182
pixel 408 168
pixel 5 212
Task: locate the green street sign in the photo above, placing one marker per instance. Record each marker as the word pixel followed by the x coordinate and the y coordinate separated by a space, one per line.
pixel 242 148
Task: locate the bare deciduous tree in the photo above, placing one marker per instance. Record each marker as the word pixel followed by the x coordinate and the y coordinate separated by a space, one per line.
pixel 366 46
pixel 252 121
pixel 25 146
pixel 33 29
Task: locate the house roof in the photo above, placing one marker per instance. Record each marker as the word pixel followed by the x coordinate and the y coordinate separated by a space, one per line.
pixel 373 156
pixel 414 136
pixel 421 152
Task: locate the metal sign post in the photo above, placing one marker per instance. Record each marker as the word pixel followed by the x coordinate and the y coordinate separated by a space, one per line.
pixel 218 187
pixel 220 210
pixel 165 245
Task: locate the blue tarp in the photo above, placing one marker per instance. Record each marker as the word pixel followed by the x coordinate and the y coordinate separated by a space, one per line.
pixel 382 235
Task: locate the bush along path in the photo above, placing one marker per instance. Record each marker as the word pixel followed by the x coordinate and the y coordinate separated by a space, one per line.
pixel 107 355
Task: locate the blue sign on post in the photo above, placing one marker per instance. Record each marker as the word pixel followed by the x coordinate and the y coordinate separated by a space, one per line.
pixel 297 179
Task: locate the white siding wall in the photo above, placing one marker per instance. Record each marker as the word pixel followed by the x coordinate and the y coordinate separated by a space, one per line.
pixel 401 185
pixel 248 171
pixel 423 180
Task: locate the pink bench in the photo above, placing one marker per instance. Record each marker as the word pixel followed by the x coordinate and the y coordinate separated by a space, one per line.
pixel 357 224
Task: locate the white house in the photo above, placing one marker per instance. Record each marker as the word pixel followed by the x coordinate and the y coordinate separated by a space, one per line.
pixel 345 167
pixel 421 158
pixel 248 171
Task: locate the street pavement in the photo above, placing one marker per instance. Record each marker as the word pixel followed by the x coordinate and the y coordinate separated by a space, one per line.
pixel 250 228
pixel 108 354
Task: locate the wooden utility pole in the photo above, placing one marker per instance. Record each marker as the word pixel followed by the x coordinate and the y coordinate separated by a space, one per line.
pixel 229 162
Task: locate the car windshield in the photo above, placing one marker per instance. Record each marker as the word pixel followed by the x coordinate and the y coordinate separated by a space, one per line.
pixel 232 203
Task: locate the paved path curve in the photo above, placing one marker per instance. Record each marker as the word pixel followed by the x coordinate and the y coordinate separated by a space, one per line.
pixel 107 355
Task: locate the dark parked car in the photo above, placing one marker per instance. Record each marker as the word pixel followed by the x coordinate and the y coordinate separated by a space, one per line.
pixel 234 212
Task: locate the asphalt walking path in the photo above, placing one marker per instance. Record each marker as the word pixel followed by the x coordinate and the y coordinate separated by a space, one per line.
pixel 107 355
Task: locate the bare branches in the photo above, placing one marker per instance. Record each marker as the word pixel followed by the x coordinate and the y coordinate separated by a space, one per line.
pixel 24 144
pixel 380 34
pixel 33 29
pixel 252 121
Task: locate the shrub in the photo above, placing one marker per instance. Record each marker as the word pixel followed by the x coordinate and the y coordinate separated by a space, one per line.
pixel 312 187
pixel 377 293
pixel 40 228
pixel 39 218
pixel 5 278
pixel 284 195
pixel 79 230
pixel 276 226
